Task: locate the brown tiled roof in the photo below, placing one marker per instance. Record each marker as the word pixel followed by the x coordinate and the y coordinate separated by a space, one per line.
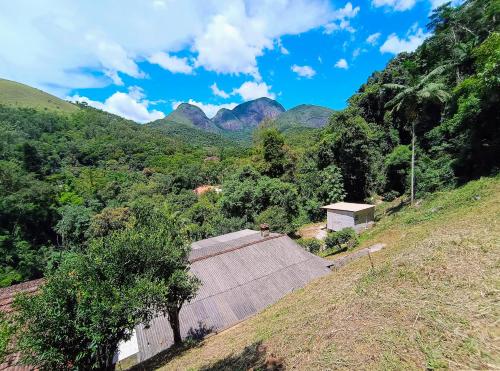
pixel 7 294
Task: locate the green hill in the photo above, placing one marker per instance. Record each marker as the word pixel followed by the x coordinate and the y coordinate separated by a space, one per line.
pixel 306 115
pixel 189 134
pixel 427 303
pixel 20 95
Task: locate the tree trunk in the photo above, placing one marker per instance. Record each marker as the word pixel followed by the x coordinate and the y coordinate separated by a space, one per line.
pixel 173 318
pixel 412 163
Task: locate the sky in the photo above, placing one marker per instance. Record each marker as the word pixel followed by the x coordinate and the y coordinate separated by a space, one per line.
pixel 140 59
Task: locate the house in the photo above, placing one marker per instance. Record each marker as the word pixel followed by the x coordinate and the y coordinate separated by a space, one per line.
pixel 241 273
pixel 206 188
pixel 345 214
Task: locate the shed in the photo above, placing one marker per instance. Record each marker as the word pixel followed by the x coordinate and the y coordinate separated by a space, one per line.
pixel 342 215
pixel 241 273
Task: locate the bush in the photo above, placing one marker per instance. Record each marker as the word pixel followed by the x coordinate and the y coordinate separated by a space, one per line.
pixel 343 239
pixel 277 218
pixel 310 244
pixel 390 196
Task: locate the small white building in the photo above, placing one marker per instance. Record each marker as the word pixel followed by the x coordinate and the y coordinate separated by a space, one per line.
pixel 342 215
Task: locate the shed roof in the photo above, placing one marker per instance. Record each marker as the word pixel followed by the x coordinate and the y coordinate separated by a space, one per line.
pixel 241 274
pixel 348 206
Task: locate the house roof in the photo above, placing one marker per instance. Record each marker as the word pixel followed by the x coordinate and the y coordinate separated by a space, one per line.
pixel 7 294
pixel 348 206
pixel 241 274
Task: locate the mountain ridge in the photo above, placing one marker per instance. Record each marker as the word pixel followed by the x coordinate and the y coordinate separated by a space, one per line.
pixel 247 116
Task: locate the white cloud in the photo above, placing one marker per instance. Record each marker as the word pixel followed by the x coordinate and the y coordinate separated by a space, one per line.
pixel 342 63
pixel 209 109
pixel 131 105
pixel 356 52
pixel 218 92
pixel 373 38
pixel 303 71
pixel 59 45
pixel 341 19
pixel 395 45
pixel 252 90
pixel 171 63
pixel 396 5
pixel 282 49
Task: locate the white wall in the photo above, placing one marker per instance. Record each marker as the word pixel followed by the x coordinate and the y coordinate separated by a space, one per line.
pixel 127 348
pixel 339 219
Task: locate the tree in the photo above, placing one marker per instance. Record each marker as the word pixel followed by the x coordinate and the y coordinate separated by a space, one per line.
pixel 409 103
pixel 276 156
pixel 348 143
pixel 94 299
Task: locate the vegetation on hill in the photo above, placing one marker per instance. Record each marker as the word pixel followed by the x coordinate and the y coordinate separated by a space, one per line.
pixel 306 115
pixel 427 303
pixel 15 94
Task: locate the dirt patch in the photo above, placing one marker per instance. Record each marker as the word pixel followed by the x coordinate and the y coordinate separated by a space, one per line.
pixel 316 230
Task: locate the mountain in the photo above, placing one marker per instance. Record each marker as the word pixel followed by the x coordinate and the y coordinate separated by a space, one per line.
pixel 14 94
pixel 246 116
pixel 191 115
pixel 307 115
pixel 227 120
pixel 253 112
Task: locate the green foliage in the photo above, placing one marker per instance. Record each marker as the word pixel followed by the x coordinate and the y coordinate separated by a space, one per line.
pixel 94 299
pixel 344 239
pixel 398 168
pixel 6 332
pixel 74 222
pixel 348 143
pixel 277 218
pixel 310 244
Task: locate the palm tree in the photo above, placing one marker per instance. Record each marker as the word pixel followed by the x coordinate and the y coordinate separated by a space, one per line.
pixel 409 101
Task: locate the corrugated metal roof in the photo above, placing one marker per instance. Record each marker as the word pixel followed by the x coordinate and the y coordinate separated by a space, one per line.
pixel 348 206
pixel 249 273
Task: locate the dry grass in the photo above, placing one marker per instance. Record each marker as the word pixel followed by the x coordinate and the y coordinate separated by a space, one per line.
pixel 431 301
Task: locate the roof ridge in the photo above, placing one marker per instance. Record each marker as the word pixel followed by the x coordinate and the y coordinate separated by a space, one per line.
pixel 235 248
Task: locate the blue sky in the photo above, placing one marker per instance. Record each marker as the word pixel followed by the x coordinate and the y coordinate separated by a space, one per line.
pixel 140 59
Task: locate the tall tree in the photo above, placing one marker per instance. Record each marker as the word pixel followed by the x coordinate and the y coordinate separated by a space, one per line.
pixel 409 102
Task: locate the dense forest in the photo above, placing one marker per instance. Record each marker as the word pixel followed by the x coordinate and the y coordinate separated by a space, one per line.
pixel 68 179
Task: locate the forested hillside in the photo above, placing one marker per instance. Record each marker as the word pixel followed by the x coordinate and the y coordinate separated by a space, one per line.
pixel 69 178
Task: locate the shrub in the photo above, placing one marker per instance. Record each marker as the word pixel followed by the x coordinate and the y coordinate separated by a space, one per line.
pixel 277 218
pixel 310 244
pixel 343 239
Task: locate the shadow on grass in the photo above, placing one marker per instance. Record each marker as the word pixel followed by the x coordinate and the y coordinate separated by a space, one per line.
pixel 195 336
pixel 253 357
pixel 395 209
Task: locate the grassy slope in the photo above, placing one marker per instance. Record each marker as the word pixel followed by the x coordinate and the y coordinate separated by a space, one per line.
pixel 20 95
pixel 431 301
